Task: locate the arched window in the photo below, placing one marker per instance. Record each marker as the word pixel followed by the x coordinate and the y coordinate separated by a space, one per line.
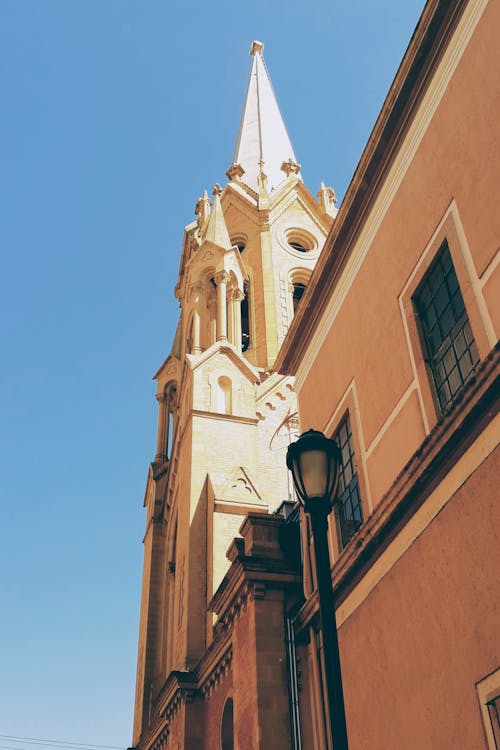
pixel 227 727
pixel 224 395
pixel 169 633
pixel 240 241
pixel 171 394
pixel 298 291
pixel 298 281
pixel 245 319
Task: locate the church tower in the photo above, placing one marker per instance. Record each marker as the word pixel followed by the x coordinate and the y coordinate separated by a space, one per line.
pixel 245 264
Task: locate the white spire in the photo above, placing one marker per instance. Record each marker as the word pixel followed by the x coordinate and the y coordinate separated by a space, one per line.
pixel 262 138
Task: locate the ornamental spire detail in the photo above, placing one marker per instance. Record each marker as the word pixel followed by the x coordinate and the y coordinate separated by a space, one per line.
pixel 262 136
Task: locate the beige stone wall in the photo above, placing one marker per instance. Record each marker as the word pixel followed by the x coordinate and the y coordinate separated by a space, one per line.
pixel 228 425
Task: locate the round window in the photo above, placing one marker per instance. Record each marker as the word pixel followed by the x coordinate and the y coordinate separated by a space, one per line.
pixel 301 241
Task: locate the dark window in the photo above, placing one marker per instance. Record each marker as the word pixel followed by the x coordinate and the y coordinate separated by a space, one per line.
pixel 238 242
pixel 451 351
pixel 298 291
pixel 494 712
pixel 245 320
pixel 349 510
pixel 227 728
pixel 299 246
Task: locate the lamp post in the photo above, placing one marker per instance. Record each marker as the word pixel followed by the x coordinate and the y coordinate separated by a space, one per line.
pixel 314 461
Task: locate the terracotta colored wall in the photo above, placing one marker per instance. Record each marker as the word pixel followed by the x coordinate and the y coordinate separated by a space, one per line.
pixel 245 682
pixel 414 649
pixel 260 674
pixel 459 160
pixel 214 707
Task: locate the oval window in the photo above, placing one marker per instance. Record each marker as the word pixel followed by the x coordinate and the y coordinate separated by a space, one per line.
pixel 301 241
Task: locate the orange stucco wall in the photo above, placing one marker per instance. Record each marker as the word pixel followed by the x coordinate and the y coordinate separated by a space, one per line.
pixel 414 649
pixel 366 345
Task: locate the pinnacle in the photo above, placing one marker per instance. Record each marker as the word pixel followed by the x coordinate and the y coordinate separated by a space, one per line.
pixel 216 229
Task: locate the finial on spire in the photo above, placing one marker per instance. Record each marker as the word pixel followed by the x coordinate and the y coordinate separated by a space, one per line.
pixel 217 190
pixel 257 48
pixel 235 171
pixel 327 199
pixel 290 167
pixel 202 209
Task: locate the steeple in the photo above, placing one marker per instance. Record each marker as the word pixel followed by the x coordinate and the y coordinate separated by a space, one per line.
pixel 245 264
pixel 263 142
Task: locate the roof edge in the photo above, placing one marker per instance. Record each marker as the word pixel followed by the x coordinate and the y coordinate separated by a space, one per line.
pixel 430 38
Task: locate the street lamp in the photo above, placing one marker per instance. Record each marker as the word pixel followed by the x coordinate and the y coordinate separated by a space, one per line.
pixel 314 461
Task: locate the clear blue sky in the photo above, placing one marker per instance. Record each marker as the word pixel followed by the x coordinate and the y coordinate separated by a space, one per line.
pixel 115 115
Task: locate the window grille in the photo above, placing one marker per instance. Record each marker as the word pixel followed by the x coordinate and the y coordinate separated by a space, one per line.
pixel 349 509
pixel 451 351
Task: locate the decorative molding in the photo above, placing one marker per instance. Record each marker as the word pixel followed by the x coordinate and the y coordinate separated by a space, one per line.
pixel 237 607
pixel 222 668
pixel 364 209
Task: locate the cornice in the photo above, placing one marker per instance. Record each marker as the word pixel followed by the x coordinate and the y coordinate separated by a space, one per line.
pixel 272 385
pixel 222 417
pixel 241 188
pixel 428 45
pixel 180 688
pixel 217 673
pixel 248 578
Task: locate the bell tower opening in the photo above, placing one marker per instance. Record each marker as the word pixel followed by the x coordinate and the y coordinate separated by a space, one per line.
pixel 297 294
pixel 245 318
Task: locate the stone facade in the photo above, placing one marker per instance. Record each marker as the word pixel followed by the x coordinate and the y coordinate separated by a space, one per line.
pixel 225 419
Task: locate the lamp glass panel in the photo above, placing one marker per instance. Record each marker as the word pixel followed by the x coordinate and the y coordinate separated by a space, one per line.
pixel 313 467
pixel 333 477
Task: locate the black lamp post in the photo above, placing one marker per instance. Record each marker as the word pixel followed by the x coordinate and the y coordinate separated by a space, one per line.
pixel 314 461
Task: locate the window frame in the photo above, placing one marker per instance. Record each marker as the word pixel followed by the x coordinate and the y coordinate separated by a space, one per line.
pixel 346 420
pixel 436 360
pixel 451 230
pixel 487 690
